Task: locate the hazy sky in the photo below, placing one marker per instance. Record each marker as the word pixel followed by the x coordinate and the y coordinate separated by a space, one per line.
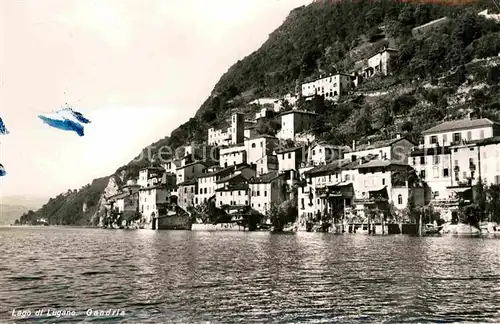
pixel 136 68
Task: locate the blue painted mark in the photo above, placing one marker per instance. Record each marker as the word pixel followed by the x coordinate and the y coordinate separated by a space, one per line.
pixel 80 117
pixel 66 119
pixel 64 124
pixel 3 129
pixel 2 171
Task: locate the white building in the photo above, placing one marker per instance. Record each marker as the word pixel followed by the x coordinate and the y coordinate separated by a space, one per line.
pixel 260 146
pixel 433 165
pixel 294 122
pixel 329 87
pixel 379 63
pixel 149 199
pixel 190 171
pixel 267 189
pixel 231 136
pixel 207 182
pixel 455 132
pixel 233 155
pixel 267 164
pixel 150 176
pixel 322 153
pixel 397 149
pixel 291 158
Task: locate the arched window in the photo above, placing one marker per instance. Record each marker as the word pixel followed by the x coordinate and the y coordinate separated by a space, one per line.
pixel 400 199
pixel 253 145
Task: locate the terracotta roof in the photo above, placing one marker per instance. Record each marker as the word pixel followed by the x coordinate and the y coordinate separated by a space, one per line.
pixel 330 167
pixel 190 182
pixel 158 186
pixel 486 141
pixel 231 177
pixel 192 163
pixel 266 178
pixel 262 136
pixel 460 124
pixel 296 111
pixel 380 163
pixel 236 186
pixel 288 150
pixel 379 144
pixel 430 151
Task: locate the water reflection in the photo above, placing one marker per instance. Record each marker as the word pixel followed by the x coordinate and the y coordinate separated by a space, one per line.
pixel 231 277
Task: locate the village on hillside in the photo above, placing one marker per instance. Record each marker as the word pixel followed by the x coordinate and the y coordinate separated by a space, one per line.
pixel 239 173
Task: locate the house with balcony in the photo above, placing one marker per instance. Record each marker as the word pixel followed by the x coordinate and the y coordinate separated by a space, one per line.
pixel 207 182
pixel 379 184
pixel 233 193
pixel 312 207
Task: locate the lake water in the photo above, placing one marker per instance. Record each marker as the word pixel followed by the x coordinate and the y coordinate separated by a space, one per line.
pixel 241 277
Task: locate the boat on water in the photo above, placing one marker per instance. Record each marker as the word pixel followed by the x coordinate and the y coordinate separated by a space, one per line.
pixel 175 219
pixel 460 229
pixel 431 229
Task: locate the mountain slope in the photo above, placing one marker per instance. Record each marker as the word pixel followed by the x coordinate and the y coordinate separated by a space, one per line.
pixel 436 73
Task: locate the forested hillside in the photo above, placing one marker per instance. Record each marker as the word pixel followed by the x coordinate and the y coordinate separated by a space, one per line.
pixel 448 73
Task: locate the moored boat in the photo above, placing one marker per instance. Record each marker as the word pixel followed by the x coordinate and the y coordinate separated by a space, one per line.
pixel 430 229
pixel 461 229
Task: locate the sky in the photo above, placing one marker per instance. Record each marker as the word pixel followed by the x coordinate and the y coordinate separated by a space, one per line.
pixel 137 69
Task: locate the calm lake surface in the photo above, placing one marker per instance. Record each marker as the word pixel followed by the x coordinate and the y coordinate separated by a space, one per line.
pixel 241 277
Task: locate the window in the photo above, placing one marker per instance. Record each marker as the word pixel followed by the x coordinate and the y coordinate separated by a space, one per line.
pixel 289 155
pixel 192 189
pixel 422 160
pixel 464 175
pixel 314 152
pixel 414 160
pixel 435 172
pixel 239 193
pixel 434 139
pixel 422 174
pixel 457 137
pixel 469 135
pixel 253 145
pixel 436 159
pixel 400 199
pixel 446 172
pixel 261 144
pixel 185 190
pixel 258 193
pixel 265 193
pixel 445 138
